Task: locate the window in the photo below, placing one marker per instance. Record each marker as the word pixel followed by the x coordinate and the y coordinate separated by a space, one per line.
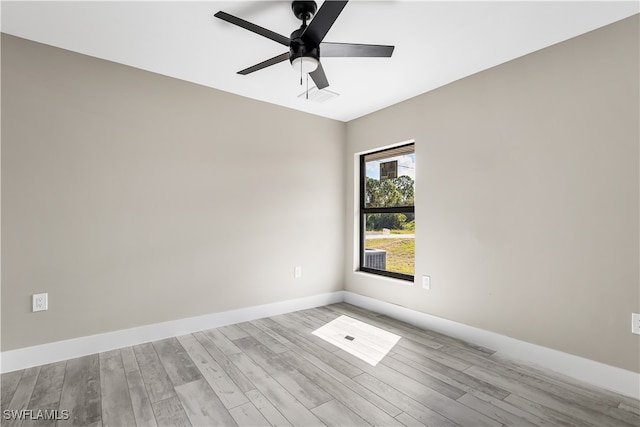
pixel 387 214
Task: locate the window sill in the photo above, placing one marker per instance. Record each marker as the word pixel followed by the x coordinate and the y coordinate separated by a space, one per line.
pixel 384 278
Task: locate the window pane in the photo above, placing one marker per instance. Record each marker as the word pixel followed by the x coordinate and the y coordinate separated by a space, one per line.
pixel 390 242
pixel 389 181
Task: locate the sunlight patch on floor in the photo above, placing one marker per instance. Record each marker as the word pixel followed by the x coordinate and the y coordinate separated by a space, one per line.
pixel 360 339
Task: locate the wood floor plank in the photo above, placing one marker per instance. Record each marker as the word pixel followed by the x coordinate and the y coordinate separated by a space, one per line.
pixel 22 395
pixel 551 416
pixel 170 413
pixel 628 402
pixel 224 387
pixel 507 407
pixel 263 338
pixel 43 416
pixel 408 420
pixel 229 368
pixel 177 363
pixel 409 387
pixel 117 409
pixel 436 337
pixel 308 322
pixel 225 345
pixel 581 413
pixel 248 415
pixel 303 331
pixel 635 409
pixel 589 407
pixel 334 413
pixel 325 316
pixel 81 392
pixel 413 407
pixel 156 380
pixel 8 385
pixel 142 409
pixel 409 348
pixel 261 325
pixel 233 332
pixel 129 361
pixel 578 387
pixel 48 387
pixel 467 355
pixel 202 405
pixel 454 378
pixel 270 412
pixel 404 366
pixel 494 412
pixel 624 416
pixel 46 395
pixel 296 341
pixel 444 405
pixel 291 379
pixel 295 412
pixel 328 371
pixel 577 395
pixel 352 400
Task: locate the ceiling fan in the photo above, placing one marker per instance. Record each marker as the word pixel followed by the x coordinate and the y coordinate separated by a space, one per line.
pixel 306 44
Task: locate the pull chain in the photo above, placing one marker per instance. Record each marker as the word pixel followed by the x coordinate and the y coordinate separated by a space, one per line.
pixel 307 86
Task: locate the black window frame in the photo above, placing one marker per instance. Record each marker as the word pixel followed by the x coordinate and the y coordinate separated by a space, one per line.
pixel 365 210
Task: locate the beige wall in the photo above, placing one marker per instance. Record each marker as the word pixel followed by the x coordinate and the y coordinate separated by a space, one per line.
pixel 527 197
pixel 133 198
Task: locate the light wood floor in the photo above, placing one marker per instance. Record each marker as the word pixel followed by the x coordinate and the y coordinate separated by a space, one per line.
pixel 275 372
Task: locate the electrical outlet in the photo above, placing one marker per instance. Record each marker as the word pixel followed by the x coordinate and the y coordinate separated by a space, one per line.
pixel 635 323
pixel 40 302
pixel 297 272
pixel 426 282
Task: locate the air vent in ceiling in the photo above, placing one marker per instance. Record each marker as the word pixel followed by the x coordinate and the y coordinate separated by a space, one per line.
pixel 318 96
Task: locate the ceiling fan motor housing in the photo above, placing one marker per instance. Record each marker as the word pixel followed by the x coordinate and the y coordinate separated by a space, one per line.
pixel 304 10
pixel 300 47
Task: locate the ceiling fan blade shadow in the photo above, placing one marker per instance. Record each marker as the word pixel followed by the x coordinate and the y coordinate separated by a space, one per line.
pixel 265 64
pixel 323 20
pixel 355 50
pixel 253 28
pixel 319 77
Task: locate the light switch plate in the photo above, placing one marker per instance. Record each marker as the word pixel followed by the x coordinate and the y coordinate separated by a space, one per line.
pixel 635 323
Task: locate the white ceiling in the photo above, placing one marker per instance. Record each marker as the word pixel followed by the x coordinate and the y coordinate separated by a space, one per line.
pixel 437 42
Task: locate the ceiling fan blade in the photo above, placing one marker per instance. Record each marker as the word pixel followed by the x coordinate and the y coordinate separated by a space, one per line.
pixel 265 64
pixel 323 20
pixel 254 28
pixel 319 78
pixel 355 50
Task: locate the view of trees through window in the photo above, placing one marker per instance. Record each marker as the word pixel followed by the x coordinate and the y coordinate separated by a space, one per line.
pixel 388 212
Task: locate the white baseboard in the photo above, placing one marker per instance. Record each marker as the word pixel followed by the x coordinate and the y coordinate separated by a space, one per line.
pixel 596 373
pixel 27 357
